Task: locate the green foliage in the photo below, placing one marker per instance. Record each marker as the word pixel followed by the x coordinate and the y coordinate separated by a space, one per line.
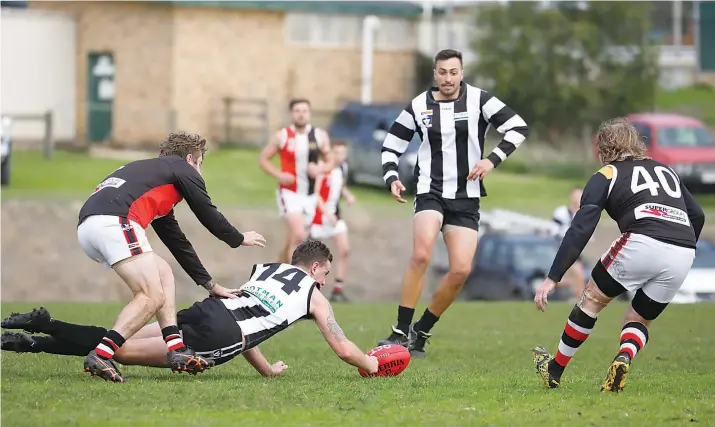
pixel 563 67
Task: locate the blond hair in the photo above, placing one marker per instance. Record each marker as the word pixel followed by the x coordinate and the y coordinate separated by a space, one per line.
pixel 618 139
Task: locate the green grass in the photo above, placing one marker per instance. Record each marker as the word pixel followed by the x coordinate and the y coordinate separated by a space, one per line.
pixel 698 101
pixel 478 372
pixel 233 178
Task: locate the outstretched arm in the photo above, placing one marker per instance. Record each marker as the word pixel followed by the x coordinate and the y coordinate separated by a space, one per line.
pixel 584 223
pixel 322 312
pixel 193 188
pixel 168 230
pixel 261 364
pixel 695 211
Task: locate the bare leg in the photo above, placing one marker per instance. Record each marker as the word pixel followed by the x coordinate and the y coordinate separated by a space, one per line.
pixel 151 330
pixel 141 274
pixel 461 246
pixel 343 247
pixel 166 316
pixel 296 234
pixel 144 352
pixel 426 227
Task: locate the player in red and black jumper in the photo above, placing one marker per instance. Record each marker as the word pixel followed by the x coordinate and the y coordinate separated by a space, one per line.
pixel 111 231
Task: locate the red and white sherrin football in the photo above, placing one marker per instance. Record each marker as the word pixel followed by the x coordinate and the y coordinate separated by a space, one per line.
pixel 392 360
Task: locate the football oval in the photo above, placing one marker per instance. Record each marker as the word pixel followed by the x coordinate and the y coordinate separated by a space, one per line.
pixel 392 359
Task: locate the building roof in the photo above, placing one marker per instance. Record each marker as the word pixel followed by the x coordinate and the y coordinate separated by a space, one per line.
pixel 403 8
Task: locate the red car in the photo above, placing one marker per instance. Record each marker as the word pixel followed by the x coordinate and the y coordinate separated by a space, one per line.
pixel 681 142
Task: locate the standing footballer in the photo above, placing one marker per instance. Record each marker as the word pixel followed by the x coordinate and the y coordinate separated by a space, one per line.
pixel 451 121
pixel 660 222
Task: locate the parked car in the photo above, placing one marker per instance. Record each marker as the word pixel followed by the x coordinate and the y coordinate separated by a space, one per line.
pixel 363 128
pixel 681 142
pixel 505 267
pixel 699 284
pixel 5 149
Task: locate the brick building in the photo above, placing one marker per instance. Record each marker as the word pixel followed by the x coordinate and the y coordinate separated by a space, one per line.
pixel 144 68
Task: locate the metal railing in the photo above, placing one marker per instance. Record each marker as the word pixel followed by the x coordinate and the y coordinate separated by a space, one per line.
pixel 48 139
pixel 241 121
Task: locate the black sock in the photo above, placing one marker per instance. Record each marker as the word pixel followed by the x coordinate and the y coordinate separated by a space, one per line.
pixel 172 338
pixel 80 335
pixel 427 321
pixel 404 318
pixel 109 345
pixel 53 345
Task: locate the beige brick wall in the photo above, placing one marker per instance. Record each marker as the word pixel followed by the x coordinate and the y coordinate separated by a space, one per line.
pixel 140 36
pixel 189 58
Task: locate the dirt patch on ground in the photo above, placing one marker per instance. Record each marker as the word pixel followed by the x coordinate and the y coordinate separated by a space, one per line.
pixel 42 261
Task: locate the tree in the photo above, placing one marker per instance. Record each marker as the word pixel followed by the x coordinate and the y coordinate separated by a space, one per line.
pixel 568 64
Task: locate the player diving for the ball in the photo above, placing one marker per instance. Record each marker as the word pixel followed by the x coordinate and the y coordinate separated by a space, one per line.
pixel 276 296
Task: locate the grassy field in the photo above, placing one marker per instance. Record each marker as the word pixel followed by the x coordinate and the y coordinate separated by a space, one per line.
pixel 478 372
pixel 696 100
pixel 233 177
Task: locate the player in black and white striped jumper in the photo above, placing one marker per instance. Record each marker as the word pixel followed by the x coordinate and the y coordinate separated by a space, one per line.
pixel 219 329
pixel 451 121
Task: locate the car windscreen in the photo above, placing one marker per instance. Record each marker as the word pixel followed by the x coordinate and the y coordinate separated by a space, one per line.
pixel 685 136
pixel 704 259
pixel 538 255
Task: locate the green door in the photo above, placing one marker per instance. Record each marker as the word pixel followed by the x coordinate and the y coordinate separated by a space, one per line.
pixel 100 96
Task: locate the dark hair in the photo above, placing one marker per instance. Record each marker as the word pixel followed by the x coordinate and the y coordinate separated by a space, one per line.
pixel 445 54
pixel 182 144
pixel 294 102
pixel 338 143
pixel 311 251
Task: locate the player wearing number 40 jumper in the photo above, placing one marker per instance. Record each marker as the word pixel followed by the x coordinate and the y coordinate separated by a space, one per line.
pixel 660 222
pixel 276 296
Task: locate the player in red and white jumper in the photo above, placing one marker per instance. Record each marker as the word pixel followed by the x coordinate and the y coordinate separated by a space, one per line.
pixel 304 153
pixel 327 223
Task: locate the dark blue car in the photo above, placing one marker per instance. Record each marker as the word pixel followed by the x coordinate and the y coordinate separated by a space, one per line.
pixel 363 128
pixel 506 267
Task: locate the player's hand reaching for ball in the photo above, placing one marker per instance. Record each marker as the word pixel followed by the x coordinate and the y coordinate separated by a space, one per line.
pixel 278 368
pixel 481 169
pixel 371 365
pixel 541 299
pixel 396 188
pixel 251 238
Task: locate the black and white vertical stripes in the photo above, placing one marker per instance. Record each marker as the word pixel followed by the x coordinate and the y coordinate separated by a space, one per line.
pixel 452 135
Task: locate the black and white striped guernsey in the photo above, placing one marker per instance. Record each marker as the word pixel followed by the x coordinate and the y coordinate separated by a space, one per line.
pixel 452 135
pixel 276 296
